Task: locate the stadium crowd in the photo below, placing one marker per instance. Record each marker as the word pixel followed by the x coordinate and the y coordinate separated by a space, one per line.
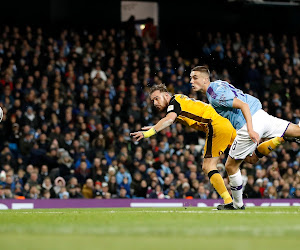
pixel 70 101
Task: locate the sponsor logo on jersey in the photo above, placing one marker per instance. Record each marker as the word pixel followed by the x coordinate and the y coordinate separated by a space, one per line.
pixel 170 108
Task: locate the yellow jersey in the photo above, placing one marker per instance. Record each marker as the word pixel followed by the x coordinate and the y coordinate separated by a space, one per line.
pixel 203 117
pixel 192 113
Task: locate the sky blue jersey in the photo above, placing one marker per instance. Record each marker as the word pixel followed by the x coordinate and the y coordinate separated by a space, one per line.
pixel 220 95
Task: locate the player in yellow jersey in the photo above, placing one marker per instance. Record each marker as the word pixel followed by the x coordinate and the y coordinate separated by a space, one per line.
pixel 200 116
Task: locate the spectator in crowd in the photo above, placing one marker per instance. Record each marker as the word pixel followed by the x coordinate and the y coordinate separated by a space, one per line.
pixel 123 174
pixel 105 190
pixel 73 193
pixel 47 186
pixel 123 193
pixel 82 173
pixel 88 189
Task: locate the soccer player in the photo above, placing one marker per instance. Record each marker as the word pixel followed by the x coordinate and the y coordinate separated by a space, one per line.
pixel 200 116
pixel 250 121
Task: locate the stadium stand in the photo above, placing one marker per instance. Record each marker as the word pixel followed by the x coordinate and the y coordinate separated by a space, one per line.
pixel 71 99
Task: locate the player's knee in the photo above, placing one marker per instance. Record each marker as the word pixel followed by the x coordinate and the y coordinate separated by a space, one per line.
pixel 230 168
pixel 293 130
pixel 205 169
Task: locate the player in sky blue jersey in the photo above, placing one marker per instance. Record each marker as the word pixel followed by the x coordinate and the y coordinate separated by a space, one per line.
pixel 221 94
pixel 248 118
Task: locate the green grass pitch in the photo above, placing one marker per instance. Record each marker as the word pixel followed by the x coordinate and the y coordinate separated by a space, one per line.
pixel 150 228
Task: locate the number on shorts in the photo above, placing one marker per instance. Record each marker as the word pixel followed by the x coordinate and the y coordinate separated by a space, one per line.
pixel 234 145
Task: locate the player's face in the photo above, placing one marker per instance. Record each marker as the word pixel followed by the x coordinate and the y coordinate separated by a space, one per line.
pixel 159 100
pixel 198 80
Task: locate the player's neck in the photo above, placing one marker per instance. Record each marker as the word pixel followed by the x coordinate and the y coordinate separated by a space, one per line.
pixel 168 98
pixel 205 87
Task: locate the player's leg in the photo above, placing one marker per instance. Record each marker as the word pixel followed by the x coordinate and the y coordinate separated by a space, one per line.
pixel 275 126
pixel 220 134
pixel 264 149
pixel 232 167
pixel 240 148
pixel 209 168
pixel 268 146
pixel 280 129
pixel 293 131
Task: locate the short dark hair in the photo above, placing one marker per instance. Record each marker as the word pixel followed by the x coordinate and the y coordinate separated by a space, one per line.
pixel 161 87
pixel 202 69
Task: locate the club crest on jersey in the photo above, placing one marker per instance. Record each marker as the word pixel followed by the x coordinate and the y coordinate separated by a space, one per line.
pixel 170 108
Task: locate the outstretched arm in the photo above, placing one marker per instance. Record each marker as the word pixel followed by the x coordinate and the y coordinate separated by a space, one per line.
pixel 238 104
pixel 162 124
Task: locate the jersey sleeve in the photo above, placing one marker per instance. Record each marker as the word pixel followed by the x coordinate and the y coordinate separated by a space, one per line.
pixel 174 106
pixel 221 96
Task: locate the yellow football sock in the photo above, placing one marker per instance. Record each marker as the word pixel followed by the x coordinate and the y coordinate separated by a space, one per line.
pixel 218 183
pixel 268 146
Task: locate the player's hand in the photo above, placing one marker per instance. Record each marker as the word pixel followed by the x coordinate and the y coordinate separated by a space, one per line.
pixel 147 127
pixel 254 136
pixel 137 135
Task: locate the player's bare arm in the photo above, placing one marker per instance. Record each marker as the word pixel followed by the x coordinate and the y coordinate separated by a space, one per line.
pixel 238 104
pixel 162 124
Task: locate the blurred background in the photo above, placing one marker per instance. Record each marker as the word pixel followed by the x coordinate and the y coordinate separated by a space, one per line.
pixel 177 23
pixel 75 77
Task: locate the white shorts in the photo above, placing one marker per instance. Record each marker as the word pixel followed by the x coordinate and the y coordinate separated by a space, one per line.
pixel 267 126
